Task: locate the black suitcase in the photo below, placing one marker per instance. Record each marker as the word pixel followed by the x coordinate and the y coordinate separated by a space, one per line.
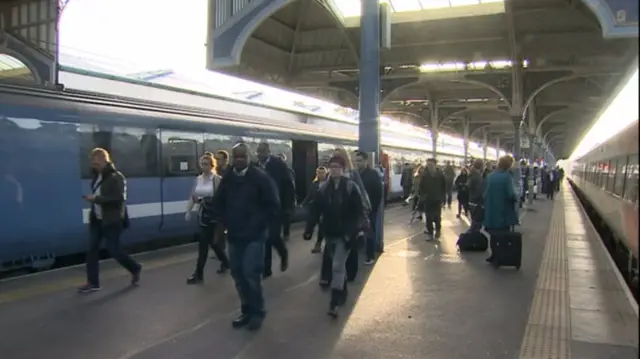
pixel 473 241
pixel 506 249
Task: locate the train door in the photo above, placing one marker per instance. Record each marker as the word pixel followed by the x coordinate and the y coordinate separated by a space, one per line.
pixel 305 160
pixel 179 162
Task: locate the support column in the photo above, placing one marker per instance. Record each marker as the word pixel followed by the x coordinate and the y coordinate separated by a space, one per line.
pixel 369 77
pixel 369 129
pixel 516 140
pixel 435 123
pixel 465 128
pixel 485 145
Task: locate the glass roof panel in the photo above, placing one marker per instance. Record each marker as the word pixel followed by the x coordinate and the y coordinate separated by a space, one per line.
pixel 10 63
pixel 405 5
pixel 351 8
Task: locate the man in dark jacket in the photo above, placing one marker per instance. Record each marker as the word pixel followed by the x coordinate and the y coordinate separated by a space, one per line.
pixel 339 205
pixel 432 194
pixel 281 176
pixel 107 219
pixel 406 181
pixel 373 185
pixel 450 176
pixel 476 191
pixel 247 204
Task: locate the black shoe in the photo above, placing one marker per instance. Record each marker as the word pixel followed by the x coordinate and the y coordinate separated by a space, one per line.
pixel 255 323
pixel 284 262
pixel 267 274
pixel 438 234
pixel 223 269
pixel 333 311
pixel 87 288
pixel 241 321
pixel 135 277
pixel 195 279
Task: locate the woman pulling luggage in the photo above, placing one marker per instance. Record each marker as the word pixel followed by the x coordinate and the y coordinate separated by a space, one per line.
pixel 202 193
pixel 463 192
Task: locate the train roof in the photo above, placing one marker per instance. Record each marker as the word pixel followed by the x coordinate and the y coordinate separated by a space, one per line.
pixel 132 112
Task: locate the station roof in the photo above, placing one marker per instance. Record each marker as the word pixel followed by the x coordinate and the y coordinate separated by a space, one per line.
pixel 12 69
pixel 457 54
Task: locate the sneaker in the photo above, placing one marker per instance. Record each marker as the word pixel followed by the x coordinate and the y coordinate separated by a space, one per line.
pixel 135 277
pixel 195 279
pixel 369 262
pixel 89 288
pixel 429 237
pixel 333 311
pixel 438 234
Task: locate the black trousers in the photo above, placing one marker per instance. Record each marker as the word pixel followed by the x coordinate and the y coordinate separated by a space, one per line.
pixel 206 240
pixel 433 212
pixel 111 235
pixel 274 241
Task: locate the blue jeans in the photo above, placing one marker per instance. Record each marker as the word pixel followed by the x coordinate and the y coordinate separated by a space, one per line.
pixel 246 260
pixel 111 235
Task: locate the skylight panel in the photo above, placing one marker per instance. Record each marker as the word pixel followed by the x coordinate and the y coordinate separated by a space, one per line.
pixel 405 5
pixel 435 4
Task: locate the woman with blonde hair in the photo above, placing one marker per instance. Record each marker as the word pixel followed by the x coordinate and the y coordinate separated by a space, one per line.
pixel 202 193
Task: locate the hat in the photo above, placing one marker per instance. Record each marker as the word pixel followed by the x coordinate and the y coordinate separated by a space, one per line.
pixel 337 160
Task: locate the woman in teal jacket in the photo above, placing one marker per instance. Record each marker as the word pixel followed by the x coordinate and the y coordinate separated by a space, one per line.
pixel 500 198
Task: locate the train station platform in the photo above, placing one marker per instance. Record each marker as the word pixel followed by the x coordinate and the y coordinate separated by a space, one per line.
pixel 420 300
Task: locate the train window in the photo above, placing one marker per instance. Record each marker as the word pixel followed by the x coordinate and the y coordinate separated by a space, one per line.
pixel 325 150
pixel 215 142
pixel 618 186
pixel 631 185
pixel 180 152
pixel 133 150
pixel 611 175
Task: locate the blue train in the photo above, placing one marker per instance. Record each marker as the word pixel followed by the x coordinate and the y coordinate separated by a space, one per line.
pixel 46 136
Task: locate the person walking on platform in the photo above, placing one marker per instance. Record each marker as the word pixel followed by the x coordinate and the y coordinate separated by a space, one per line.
pixel 463 192
pixel 287 215
pixel 415 189
pixel 450 176
pixel 339 206
pixel 321 176
pixel 475 184
pixel 406 181
pixel 373 186
pixel 432 194
pixel 107 219
pixel 204 188
pixel 247 204
pixel 279 173
pixel 500 200
pixel 352 174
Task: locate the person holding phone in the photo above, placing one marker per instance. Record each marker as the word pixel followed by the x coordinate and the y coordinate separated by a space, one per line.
pixel 107 219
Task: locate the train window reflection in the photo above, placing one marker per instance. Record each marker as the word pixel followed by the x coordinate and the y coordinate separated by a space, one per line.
pixel 620 176
pixel 631 186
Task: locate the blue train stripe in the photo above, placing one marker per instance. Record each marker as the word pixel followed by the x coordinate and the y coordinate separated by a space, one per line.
pixel 148 209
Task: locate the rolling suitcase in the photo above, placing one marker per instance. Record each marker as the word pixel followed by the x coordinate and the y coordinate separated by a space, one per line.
pixel 506 249
pixel 473 241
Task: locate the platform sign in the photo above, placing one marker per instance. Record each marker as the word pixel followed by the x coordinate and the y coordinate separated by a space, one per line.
pixel 618 18
pixel 524 142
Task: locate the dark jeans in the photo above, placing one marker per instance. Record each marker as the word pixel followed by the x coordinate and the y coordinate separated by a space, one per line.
pixel 320 235
pixel 433 211
pixel 372 244
pixel 207 238
pixel 111 235
pixel 274 240
pixel 286 223
pixel 477 216
pixel 247 261
pixel 463 202
pixel 406 192
pixel 449 197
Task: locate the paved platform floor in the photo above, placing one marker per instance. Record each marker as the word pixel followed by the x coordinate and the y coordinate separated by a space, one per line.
pixel 581 307
pixel 420 300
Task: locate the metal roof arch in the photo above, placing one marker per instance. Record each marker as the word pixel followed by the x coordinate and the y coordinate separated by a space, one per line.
pixel 271 8
pixel 554 82
pixel 23 59
pixel 555 113
pixel 426 79
pixel 470 110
